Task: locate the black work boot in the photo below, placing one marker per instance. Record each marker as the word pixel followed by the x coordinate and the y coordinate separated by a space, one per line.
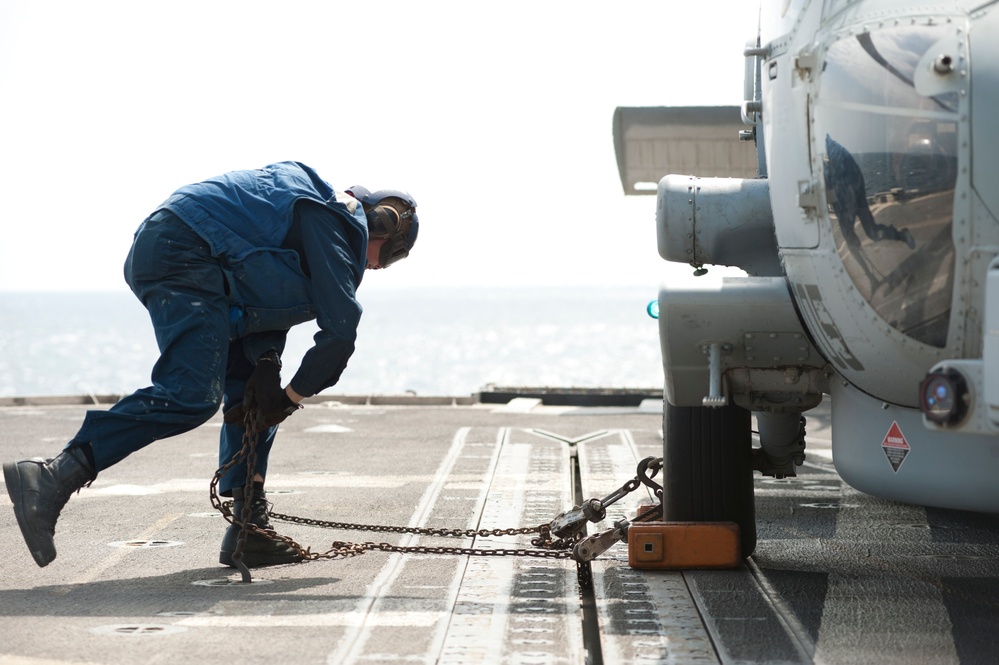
pixel 259 550
pixel 39 489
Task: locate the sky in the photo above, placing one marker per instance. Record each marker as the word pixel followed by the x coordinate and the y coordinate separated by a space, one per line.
pixel 495 116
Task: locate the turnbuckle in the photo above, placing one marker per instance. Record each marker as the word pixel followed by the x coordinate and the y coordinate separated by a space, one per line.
pixel 572 523
pixel 591 547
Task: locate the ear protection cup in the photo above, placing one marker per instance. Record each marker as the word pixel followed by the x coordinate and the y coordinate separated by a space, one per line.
pixel 391 214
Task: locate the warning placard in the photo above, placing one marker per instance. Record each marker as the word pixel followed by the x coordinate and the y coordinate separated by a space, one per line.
pixel 895 446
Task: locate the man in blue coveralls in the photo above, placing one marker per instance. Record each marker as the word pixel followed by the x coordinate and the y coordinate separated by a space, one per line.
pixel 225 267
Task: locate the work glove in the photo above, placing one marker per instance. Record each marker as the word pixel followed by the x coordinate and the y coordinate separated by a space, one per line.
pixel 264 397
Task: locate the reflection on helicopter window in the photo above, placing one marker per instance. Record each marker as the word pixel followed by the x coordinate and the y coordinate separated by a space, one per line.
pixel 889 169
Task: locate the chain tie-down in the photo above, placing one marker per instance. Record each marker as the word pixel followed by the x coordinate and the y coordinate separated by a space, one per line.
pixel 568 528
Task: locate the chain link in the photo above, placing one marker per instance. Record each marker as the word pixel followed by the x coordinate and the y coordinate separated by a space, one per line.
pixel 547 547
pixel 550 549
pixel 560 548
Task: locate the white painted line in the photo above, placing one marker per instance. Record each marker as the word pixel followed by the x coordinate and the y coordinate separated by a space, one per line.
pixel 472 634
pixel 328 429
pixel 277 481
pixel 351 647
pixel 128 490
pixel 519 405
pixel 19 659
pixel 796 631
pixel 861 611
pixel 108 562
pixel 654 617
pixel 355 619
pixel 509 609
pixel 590 436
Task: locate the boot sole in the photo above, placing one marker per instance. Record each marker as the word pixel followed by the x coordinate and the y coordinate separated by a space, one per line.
pixel 12 477
pixel 257 561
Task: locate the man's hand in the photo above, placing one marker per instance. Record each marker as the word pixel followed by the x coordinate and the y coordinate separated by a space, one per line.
pixel 263 397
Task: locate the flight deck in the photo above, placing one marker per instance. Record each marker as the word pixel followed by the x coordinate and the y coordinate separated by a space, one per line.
pixel 837 576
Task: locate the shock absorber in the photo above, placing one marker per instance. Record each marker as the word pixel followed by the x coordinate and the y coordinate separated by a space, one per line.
pixel 782 439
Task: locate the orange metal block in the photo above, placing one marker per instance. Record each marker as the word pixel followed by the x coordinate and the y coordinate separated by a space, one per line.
pixel 645 507
pixel 684 545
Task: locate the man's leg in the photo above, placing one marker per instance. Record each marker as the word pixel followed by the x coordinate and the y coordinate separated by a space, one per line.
pixel 172 272
pixel 238 371
pixel 879 232
pixel 258 550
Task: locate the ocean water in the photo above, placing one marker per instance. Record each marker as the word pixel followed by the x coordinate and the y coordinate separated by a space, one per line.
pixel 423 341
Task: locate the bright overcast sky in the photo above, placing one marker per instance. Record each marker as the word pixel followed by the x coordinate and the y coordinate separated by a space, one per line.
pixel 495 116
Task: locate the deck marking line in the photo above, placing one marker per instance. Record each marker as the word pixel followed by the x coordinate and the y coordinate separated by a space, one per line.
pixel 845 631
pixel 119 554
pixel 653 615
pixel 331 619
pixel 353 642
pixel 787 618
pixel 508 609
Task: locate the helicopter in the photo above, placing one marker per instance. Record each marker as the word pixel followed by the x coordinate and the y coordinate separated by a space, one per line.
pixel 856 188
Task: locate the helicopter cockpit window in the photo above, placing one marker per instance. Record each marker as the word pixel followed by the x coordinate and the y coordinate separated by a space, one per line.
pixel 889 170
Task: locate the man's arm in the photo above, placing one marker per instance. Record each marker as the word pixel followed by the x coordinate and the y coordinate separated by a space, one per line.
pixel 334 253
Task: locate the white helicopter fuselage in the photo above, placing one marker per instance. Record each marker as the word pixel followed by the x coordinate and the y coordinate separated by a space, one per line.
pixel 894 274
pixel 879 145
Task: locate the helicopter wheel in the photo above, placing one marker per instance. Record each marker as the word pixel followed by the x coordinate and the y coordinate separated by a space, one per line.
pixel 707 468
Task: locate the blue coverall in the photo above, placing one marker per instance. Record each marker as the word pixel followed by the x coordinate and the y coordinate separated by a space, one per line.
pixel 225 267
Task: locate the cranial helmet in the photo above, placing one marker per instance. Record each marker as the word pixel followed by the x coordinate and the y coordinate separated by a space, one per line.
pixel 391 214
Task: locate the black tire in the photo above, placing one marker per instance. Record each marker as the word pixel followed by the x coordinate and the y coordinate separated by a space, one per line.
pixel 707 468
